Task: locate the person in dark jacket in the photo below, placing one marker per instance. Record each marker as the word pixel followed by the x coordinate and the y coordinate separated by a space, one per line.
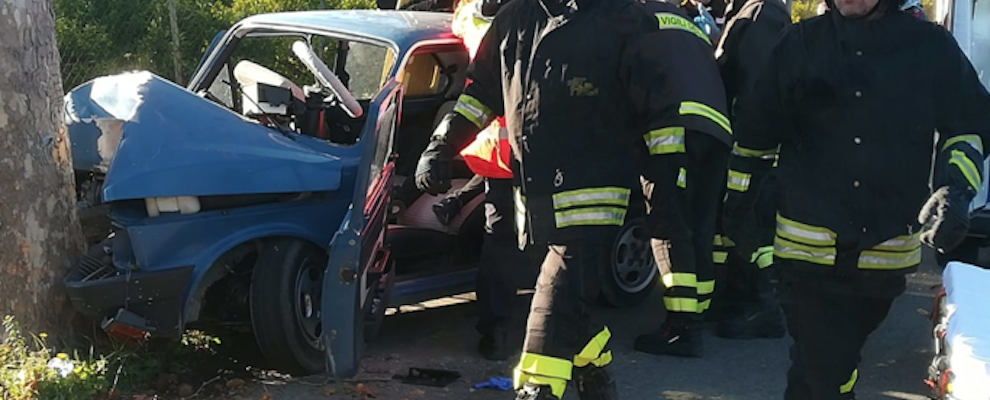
pixel 857 152
pixel 587 88
pixel 750 301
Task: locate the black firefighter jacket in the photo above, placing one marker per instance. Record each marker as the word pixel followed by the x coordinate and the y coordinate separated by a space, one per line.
pixel 854 108
pixel 587 86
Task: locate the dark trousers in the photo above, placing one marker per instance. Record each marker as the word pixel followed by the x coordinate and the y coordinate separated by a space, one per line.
pixel 683 219
pixel 559 324
pixel 502 264
pixel 830 318
pixel 739 278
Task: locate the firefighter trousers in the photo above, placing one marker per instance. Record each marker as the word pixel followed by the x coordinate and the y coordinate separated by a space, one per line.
pixel 830 318
pixel 562 339
pixel 683 225
pixel 502 267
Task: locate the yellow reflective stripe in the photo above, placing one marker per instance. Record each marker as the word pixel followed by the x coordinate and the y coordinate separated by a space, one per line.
pixel 703 110
pixel 804 233
pixel 674 21
pixel 900 243
pixel 967 167
pixel 682 178
pixel 594 349
pixel 665 141
pixel 763 257
pixel 720 257
pixel 603 360
pixel 848 386
pixel 783 248
pixel 682 279
pixel 537 364
pixel 739 181
pixel 590 216
pixel 680 304
pixel 474 110
pixel 883 260
pixel 704 306
pixel 973 141
pixel 603 196
pixel 557 385
pixel 753 153
pixel 706 287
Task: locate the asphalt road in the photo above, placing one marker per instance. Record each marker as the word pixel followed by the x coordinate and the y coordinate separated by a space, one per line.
pixel 895 359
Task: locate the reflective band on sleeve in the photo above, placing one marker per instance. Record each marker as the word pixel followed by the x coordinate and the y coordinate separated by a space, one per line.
pixel 848 386
pixel 674 21
pixel 706 287
pixel 967 167
pixel 703 110
pixel 680 304
pixel 783 248
pixel 803 233
pixel 888 260
pixel 752 153
pixel 900 243
pixel 590 216
pixel 682 279
pixel 665 141
pixel 704 306
pixel 763 257
pixel 720 257
pixel 603 196
pixel 973 141
pixel 594 352
pixel 739 181
pixel 682 178
pixel 474 110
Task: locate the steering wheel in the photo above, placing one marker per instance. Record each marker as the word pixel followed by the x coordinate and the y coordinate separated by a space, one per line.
pixel 327 78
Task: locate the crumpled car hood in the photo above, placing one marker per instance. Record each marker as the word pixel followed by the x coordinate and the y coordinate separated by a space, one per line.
pixel 165 141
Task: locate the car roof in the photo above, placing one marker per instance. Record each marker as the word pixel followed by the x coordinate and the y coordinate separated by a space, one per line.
pixel 403 28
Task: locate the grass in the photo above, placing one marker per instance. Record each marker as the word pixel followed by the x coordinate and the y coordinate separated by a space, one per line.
pixel 31 368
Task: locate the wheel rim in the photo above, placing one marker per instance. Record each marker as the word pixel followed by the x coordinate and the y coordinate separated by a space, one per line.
pixel 309 300
pixel 633 266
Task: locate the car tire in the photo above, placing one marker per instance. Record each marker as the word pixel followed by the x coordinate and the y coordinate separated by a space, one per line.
pixel 633 272
pixel 286 299
pixel 968 252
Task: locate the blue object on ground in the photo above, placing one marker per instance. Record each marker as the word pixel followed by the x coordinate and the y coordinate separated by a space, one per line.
pixel 497 382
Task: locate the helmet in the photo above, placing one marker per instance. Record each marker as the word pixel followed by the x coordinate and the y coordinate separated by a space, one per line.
pixel 470 23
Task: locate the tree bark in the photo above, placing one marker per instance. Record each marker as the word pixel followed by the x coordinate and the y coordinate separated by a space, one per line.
pixel 39 229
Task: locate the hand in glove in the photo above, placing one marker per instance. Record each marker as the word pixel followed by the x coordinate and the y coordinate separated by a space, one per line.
pixel 433 169
pixel 947 213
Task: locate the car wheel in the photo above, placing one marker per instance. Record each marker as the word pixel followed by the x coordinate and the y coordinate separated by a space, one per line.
pixel 286 300
pixel 382 296
pixel 968 252
pixel 633 271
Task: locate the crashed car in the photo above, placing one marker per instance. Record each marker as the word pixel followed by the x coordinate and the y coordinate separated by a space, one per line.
pixel 247 199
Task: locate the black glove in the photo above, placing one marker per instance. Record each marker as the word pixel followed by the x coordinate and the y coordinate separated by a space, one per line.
pixel 740 225
pixel 947 214
pixel 433 169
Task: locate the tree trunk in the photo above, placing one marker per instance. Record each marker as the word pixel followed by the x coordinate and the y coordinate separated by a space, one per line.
pixel 39 230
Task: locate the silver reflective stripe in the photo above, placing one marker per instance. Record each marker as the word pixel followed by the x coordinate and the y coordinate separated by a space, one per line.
pixel 519 204
pixel 666 140
pixel 782 250
pixel 473 110
pixel 592 196
pixel 739 181
pixel 889 260
pixel 590 216
pixel 803 233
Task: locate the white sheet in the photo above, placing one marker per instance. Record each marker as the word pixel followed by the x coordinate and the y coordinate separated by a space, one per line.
pixel 967 290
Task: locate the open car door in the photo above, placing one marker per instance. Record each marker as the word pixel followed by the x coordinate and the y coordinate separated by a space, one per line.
pixel 359 273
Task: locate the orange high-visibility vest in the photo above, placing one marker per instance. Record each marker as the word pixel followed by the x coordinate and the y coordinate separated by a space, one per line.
pixel 488 155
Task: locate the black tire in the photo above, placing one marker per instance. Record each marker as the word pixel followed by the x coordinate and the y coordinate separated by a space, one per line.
pixel 633 272
pixel 968 252
pixel 286 296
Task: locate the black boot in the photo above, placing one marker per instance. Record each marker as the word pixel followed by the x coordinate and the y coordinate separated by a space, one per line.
pixel 594 383
pixel 677 340
pixel 762 318
pixel 447 209
pixel 530 391
pixel 495 345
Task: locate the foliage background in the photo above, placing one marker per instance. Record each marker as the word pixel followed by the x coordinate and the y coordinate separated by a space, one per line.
pixel 100 37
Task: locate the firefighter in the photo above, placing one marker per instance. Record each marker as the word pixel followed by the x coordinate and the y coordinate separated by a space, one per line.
pixel 856 158
pixel 683 210
pixel 753 310
pixel 585 86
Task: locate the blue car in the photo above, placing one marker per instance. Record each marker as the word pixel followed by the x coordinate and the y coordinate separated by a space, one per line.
pixel 247 199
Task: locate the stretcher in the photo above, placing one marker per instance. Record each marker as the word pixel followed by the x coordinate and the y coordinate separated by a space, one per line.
pixel 960 369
